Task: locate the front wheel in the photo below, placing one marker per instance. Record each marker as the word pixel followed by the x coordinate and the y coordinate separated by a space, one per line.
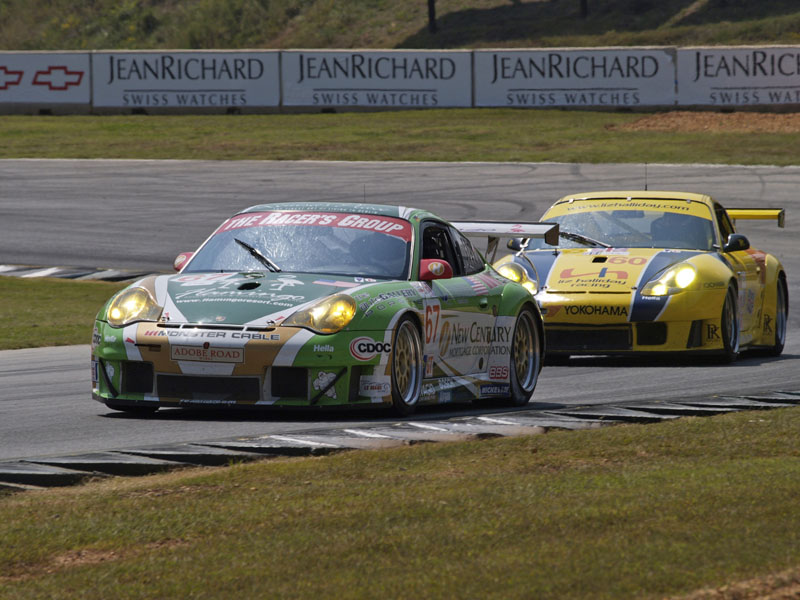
pixel 406 367
pixel 730 327
pixel 526 358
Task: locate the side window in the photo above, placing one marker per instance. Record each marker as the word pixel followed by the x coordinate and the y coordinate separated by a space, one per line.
pixel 470 258
pixel 436 244
pixel 725 225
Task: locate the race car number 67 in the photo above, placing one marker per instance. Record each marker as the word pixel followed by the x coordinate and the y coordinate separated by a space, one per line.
pixel 430 327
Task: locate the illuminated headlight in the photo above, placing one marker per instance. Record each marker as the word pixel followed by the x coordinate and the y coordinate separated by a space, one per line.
pixel 671 282
pixel 516 273
pixel 134 304
pixel 328 316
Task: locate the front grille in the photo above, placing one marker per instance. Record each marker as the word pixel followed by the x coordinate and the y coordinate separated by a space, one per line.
pixel 137 377
pixel 237 389
pixel 289 382
pixel 594 339
pixel 651 334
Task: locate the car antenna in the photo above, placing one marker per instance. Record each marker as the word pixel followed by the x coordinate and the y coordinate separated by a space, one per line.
pixel 645 177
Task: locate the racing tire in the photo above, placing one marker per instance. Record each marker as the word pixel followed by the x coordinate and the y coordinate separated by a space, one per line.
pixel 729 323
pixel 406 367
pixel 526 358
pixel 141 411
pixel 781 318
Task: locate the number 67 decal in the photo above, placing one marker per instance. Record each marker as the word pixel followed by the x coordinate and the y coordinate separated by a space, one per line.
pixel 432 313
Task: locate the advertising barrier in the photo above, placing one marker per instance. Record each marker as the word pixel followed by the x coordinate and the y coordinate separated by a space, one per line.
pixel 621 77
pixel 765 75
pixel 44 81
pixel 186 81
pixel 382 79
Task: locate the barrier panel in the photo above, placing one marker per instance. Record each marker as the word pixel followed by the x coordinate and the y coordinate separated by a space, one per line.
pixel 610 77
pixel 44 82
pixel 739 76
pixel 377 79
pixel 186 81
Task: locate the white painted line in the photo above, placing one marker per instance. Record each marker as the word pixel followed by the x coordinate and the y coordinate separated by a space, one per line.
pixel 43 272
pixel 283 438
pixel 4 268
pixel 367 434
pixel 423 426
pixel 498 421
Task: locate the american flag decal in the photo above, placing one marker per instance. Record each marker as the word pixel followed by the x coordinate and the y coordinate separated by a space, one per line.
pixel 482 283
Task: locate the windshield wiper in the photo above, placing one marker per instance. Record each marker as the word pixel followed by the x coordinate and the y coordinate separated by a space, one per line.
pixel 581 239
pixel 264 260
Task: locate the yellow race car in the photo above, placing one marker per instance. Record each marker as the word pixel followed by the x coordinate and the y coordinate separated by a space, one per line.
pixel 652 272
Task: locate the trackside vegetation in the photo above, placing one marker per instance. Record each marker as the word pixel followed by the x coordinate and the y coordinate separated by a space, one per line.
pixel 504 135
pixel 628 511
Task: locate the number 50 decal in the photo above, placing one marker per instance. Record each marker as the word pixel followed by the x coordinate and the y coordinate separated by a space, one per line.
pixel 432 313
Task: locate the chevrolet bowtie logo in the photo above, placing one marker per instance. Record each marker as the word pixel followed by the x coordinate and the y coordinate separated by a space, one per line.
pixel 58 78
pixel 9 78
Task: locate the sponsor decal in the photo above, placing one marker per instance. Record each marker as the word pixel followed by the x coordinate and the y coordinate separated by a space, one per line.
pixel 495 389
pixel 714 284
pixel 58 78
pixel 428 360
pixel 110 339
pixel 9 78
pixel 436 268
pixel 613 311
pixel 601 274
pixel 459 340
pixel 404 293
pixel 96 338
pixel 365 348
pixel 712 332
pixel 324 348
pixel 364 280
pixel 207 353
pixel 482 283
pixel 498 372
pixel 284 281
pixel 374 387
pixel 388 225
pixel 323 380
pixel 768 324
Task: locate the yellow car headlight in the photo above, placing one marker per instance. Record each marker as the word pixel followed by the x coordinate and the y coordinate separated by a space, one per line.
pixel 328 316
pixel 674 280
pixel 517 274
pixel 133 304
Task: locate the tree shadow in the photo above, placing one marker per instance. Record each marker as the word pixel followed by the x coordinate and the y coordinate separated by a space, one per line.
pixel 527 23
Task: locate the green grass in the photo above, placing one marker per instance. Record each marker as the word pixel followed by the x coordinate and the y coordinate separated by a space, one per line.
pixel 622 512
pixel 49 312
pixel 430 135
pixel 220 24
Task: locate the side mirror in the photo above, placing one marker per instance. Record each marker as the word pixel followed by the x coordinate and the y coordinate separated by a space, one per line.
pixel 515 244
pixel 736 243
pixel 433 268
pixel 181 260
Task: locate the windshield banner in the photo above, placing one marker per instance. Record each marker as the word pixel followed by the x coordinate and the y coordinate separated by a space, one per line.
pixel 388 225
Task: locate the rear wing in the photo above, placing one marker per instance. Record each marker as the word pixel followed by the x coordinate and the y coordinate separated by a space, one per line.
pixel 758 214
pixel 495 230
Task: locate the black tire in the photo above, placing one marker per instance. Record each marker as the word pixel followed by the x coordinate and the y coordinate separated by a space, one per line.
pixel 781 318
pixel 142 411
pixel 526 358
pixel 406 367
pixel 729 324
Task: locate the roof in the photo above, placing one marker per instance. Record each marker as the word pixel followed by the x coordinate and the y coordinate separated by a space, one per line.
pixel 384 210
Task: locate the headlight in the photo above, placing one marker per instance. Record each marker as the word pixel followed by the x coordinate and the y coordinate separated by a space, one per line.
pixel 516 273
pixel 328 316
pixel 134 304
pixel 674 280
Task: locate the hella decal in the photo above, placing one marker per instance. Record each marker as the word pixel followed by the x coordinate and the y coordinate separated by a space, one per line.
pixel 364 348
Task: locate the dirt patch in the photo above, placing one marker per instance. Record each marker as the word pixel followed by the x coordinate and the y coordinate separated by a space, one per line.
pixel 715 122
pixel 781 586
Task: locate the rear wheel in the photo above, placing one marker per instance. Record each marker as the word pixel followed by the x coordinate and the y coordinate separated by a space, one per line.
pixel 526 358
pixel 729 323
pixel 781 318
pixel 406 367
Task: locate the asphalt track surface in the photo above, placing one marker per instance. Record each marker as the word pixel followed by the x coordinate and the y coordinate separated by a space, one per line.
pixel 140 214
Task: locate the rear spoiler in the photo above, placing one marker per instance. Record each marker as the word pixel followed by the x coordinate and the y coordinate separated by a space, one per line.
pixel 495 230
pixel 758 213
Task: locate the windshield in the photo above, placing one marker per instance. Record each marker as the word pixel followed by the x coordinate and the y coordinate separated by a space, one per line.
pixel 308 242
pixel 631 229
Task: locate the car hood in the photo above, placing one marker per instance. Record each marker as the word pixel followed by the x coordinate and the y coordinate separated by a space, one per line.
pixel 242 298
pixel 618 270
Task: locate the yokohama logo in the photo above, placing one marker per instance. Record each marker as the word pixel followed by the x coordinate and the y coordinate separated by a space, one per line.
pixel 364 348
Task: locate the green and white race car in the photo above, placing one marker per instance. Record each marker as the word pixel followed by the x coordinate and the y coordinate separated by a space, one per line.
pixel 312 304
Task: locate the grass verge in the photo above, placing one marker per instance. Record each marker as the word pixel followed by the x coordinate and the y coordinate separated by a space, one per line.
pixel 49 312
pixel 504 135
pixel 621 512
